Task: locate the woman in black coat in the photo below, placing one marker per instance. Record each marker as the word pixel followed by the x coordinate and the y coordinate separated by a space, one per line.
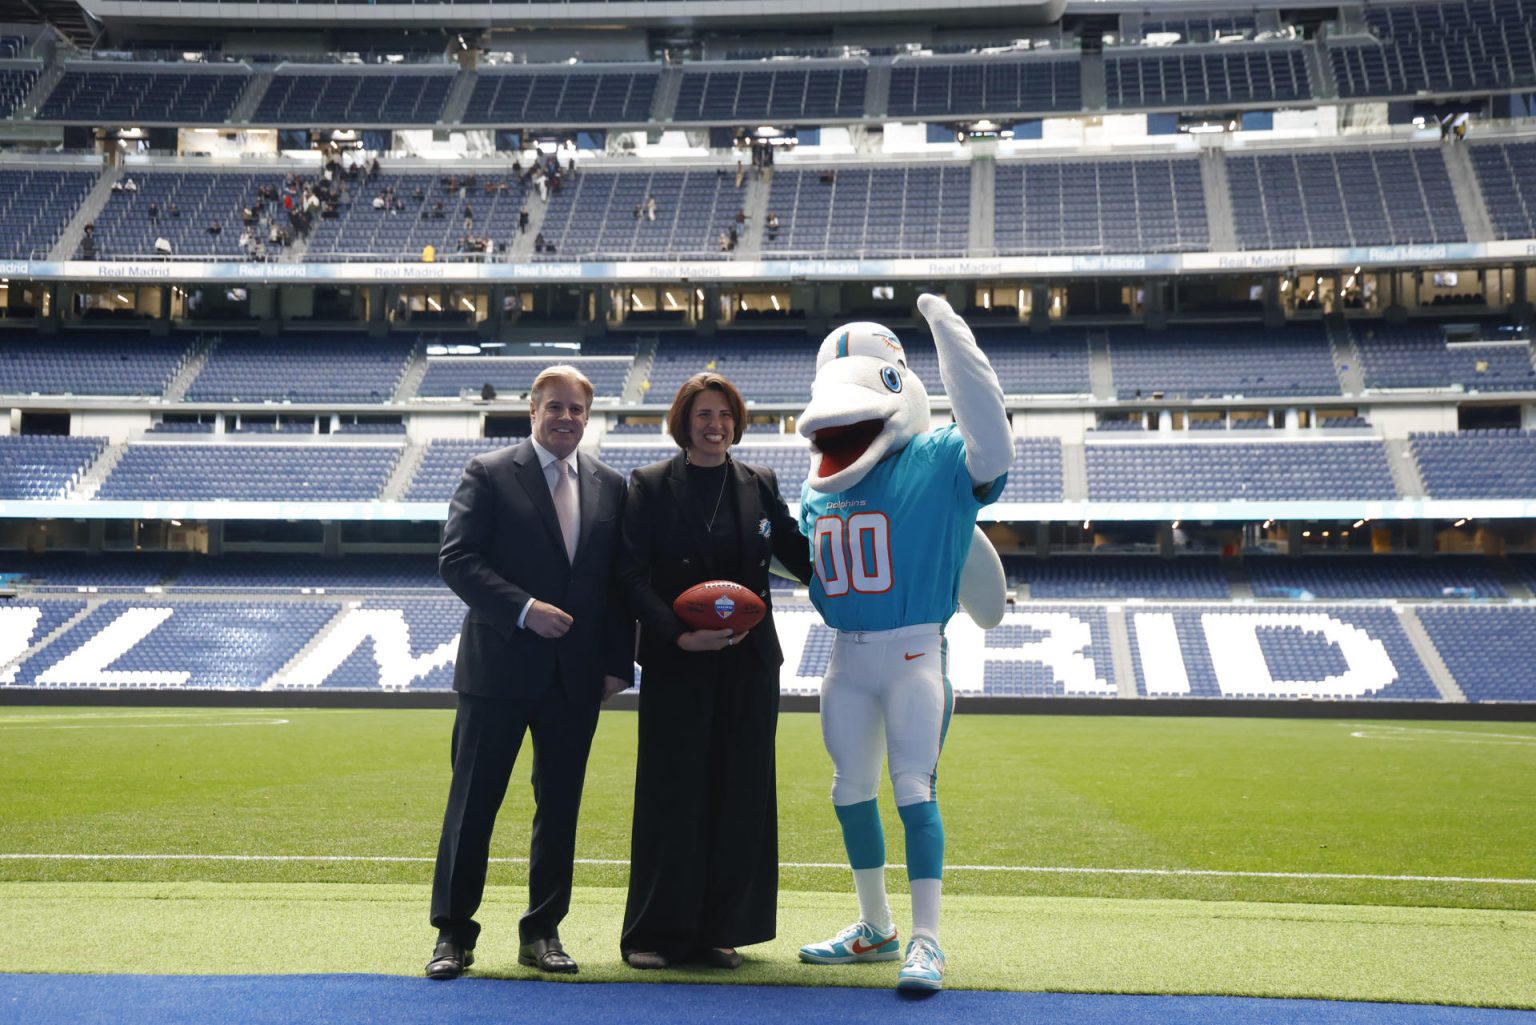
pixel 704 860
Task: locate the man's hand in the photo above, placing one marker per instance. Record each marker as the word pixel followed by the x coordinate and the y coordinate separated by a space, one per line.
pixel 613 685
pixel 707 640
pixel 547 621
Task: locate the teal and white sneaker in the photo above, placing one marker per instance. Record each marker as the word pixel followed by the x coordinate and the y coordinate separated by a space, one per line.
pixel 858 942
pixel 924 966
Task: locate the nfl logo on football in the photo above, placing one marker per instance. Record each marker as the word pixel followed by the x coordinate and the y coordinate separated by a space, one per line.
pixel 724 606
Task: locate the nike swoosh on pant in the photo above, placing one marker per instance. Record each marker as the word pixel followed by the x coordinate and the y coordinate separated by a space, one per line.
pixel 909 656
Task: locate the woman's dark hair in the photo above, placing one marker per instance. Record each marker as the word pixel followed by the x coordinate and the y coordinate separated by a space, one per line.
pixel 682 405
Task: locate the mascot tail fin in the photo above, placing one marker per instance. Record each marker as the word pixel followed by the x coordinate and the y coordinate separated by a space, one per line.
pixel 983 588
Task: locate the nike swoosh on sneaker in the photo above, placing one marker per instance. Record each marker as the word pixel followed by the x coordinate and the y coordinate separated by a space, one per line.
pixel 860 947
pixel 909 656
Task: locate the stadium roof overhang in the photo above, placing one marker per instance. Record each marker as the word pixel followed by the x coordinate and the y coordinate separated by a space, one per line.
pixel 577 14
pixel 1403 256
pixel 1092 511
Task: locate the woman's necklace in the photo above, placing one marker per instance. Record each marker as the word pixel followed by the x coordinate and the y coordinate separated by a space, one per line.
pixel 710 526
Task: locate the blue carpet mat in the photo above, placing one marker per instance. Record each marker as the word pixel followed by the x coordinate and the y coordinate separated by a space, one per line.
pixel 372 999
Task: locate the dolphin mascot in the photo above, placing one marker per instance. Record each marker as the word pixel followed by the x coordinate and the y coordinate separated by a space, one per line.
pixel 890 510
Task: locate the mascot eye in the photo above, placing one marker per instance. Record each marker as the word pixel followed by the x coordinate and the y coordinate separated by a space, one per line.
pixel 890 378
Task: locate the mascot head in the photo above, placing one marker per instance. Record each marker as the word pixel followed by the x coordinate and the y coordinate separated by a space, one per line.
pixel 865 405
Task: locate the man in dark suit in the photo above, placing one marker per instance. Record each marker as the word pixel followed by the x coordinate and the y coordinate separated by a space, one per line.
pixel 530 546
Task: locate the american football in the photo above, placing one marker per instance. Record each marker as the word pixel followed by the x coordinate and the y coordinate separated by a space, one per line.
pixel 720 605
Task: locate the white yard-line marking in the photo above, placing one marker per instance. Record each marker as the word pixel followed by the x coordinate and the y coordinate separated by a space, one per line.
pixel 143 725
pixel 1448 736
pixel 1037 869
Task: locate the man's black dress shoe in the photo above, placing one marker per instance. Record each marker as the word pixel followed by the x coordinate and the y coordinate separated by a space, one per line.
pixel 717 958
pixel 546 956
pixel 449 960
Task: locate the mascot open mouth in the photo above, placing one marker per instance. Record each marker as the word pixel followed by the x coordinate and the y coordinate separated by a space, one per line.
pixel 840 447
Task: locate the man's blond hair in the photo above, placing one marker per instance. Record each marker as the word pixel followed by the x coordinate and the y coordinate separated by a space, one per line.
pixel 563 372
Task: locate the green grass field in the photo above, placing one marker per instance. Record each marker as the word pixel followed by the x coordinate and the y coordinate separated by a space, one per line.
pixel 1374 833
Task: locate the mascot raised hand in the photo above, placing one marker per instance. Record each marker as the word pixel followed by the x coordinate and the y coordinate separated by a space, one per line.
pixel 890 509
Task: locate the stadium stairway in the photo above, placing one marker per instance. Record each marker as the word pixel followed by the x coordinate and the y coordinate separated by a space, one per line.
pixel 1238 583
pixel 49 78
pixel 983 238
pixel 1218 199
pixel 278 678
pixel 245 107
pixel 877 90
pixel 415 371
pixel 8 670
pixel 405 469
pixel 1074 473
pixel 664 103
pixel 1405 471
pixel 754 204
pixel 90 208
pixel 522 245
pixel 1469 194
pixel 457 100
pixel 196 359
pixel 1512 581
pixel 1095 92
pixel 1346 358
pixel 1434 665
pixel 1324 86
pixel 95 475
pixel 640 368
pixel 1120 651
pixel 1101 373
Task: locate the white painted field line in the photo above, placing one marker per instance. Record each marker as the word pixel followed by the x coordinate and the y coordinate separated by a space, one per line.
pixel 1036 869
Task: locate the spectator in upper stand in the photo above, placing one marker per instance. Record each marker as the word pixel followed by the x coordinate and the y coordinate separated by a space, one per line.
pixel 245 238
pixel 538 242
pixel 275 235
pixel 741 220
pixel 741 172
pixel 88 243
pixel 639 209
pixel 373 168
pixel 419 196
pixel 570 168
pixel 469 217
pixel 129 185
pixel 725 242
pixel 437 211
pixel 154 210
pixel 522 220
pixel 650 208
pixel 379 202
pixel 542 183
pixel 214 228
pixel 1459 126
pixel 163 246
pixel 733 237
pixel 247 215
pixel 428 253
pixel 773 226
pixel 173 209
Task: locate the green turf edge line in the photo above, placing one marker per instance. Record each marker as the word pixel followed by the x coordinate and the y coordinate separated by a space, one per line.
pixel 1065 944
